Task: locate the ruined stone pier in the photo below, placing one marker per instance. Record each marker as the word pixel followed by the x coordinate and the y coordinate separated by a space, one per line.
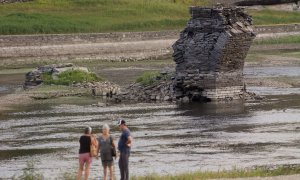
pixel 210 54
pixel 209 57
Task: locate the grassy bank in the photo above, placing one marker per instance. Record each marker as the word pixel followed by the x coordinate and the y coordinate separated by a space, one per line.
pixel 257 172
pixel 268 17
pixel 91 16
pixel 68 16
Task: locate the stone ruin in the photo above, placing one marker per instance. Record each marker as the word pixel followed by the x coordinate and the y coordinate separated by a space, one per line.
pixel 210 54
pixel 209 57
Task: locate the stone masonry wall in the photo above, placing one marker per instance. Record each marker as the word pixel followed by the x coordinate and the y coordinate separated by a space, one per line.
pixel 210 54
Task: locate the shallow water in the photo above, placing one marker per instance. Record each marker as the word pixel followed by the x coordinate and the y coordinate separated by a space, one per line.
pixel 272 71
pixel 10 82
pixel 3 89
pixel 167 138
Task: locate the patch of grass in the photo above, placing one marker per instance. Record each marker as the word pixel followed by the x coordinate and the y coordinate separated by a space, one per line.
pixel 71 16
pixel 293 39
pixel 257 172
pixel 69 176
pixel 30 173
pixel 268 17
pixel 70 77
pixel 92 16
pixel 148 78
pixel 152 77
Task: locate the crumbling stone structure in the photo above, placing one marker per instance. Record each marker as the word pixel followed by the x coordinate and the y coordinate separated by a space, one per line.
pixel 210 54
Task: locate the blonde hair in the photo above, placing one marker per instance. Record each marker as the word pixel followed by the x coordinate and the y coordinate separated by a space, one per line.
pixel 105 126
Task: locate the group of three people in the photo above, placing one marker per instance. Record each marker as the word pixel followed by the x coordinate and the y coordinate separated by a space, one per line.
pixel 105 143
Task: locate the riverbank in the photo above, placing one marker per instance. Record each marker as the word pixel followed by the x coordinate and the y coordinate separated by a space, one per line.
pixel 26 50
pixel 256 62
pixel 259 173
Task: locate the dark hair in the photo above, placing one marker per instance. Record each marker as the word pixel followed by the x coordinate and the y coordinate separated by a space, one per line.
pixel 87 130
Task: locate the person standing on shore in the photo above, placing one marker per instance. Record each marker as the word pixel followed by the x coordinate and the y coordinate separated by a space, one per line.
pixel 106 142
pixel 85 158
pixel 124 147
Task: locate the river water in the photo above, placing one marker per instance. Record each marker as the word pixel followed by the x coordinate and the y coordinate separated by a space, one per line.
pixel 168 139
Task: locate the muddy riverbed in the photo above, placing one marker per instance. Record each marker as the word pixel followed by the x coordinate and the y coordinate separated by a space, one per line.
pixel 168 139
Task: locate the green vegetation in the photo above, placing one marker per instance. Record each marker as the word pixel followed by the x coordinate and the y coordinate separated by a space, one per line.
pixel 152 77
pixel 71 16
pixel 30 173
pixel 257 172
pixel 91 16
pixel 293 39
pixel 268 17
pixel 70 77
pixel 148 78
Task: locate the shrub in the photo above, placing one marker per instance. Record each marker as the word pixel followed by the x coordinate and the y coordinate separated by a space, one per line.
pixel 69 77
pixel 148 78
pixel 152 77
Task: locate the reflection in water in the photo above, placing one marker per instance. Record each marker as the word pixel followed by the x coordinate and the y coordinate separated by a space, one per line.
pixel 167 138
pixel 197 109
pixel 3 89
pixel 10 82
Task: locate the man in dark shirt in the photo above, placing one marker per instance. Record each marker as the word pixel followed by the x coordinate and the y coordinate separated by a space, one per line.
pixel 124 147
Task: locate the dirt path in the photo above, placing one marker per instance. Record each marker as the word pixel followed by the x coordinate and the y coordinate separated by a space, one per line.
pixel 115 51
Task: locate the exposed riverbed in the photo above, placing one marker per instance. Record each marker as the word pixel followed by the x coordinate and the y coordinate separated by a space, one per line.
pixel 167 138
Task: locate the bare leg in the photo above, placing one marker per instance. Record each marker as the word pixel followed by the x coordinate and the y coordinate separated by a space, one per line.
pixel 87 171
pixel 105 172
pixel 111 172
pixel 79 173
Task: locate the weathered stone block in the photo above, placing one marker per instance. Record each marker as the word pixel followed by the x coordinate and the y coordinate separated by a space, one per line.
pixel 214 44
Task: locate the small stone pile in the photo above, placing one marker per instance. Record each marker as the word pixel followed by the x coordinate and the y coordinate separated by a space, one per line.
pixel 34 77
pixel 104 88
pixel 12 1
pixel 161 90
